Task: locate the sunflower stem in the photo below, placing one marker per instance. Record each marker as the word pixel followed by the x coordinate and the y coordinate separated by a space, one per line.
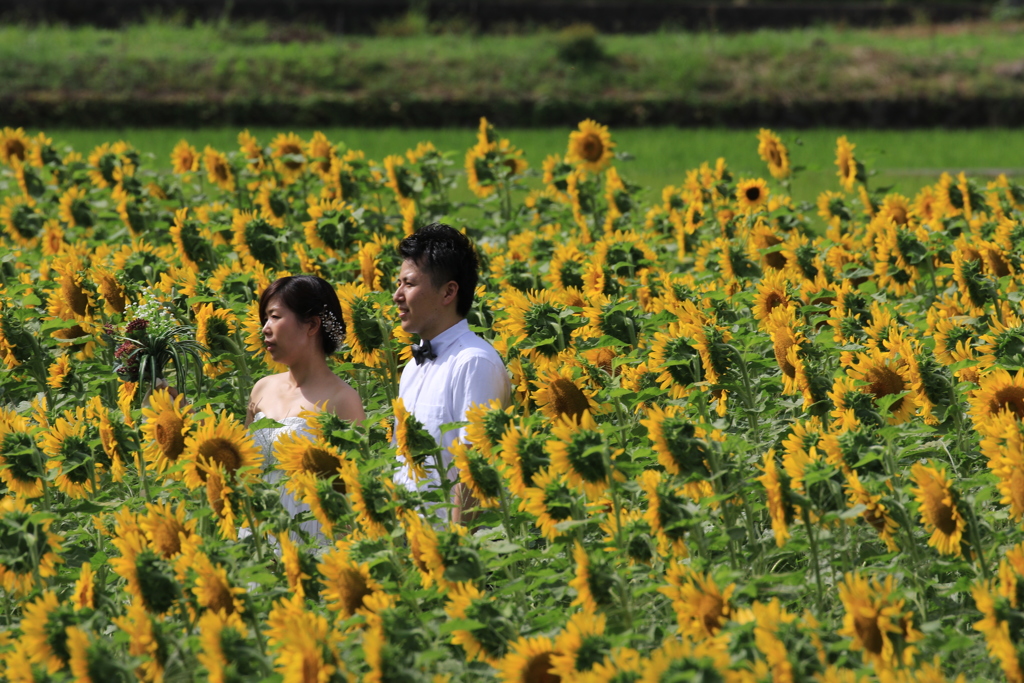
pixel 975 535
pixel 141 464
pixel 255 532
pixel 814 557
pixel 506 521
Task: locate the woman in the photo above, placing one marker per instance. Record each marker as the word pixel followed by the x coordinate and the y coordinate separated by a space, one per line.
pixel 302 325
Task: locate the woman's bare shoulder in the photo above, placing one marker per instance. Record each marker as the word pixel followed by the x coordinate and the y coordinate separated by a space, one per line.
pixel 345 402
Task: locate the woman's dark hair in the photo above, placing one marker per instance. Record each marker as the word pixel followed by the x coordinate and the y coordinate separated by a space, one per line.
pixel 445 254
pixel 309 296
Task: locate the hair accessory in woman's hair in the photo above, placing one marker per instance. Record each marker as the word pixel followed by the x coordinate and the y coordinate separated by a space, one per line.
pixel 332 326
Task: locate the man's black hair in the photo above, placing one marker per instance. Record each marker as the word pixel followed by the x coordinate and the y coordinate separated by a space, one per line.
pixel 444 254
pixel 307 296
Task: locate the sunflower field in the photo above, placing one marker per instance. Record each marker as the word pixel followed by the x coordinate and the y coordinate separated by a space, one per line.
pixel 750 440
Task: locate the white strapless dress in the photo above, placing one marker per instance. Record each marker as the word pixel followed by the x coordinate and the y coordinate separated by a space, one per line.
pixel 265 440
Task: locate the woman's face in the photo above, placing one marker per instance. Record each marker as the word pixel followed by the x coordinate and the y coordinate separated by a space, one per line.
pixel 285 336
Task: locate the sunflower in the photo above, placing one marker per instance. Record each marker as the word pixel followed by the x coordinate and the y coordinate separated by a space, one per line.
pixel 488 642
pixel 940 509
pixel 167 422
pixel 150 577
pixel 703 660
pixel 30 550
pixel 675 360
pixel 218 169
pixel 166 528
pixel 69 445
pixel 540 319
pixel 487 425
pixel 751 194
pixel 333 225
pixel 14 144
pixel 184 158
pixel 44 626
pixel 579 451
pixel 346 584
pixel 682 448
pixel 551 500
pixel 295 454
pixel 213 589
pixel 566 268
pixel 885 375
pixel 774 153
pixel 580 646
pixel 20 465
pixel 590 146
pixel 289 153
pixel 222 499
pixel 304 642
pixel 772 291
pixel 780 504
pixel 147 641
pixel 215 328
pixel 478 474
pixel 255 239
pixel 877 622
pixel 848 168
pixel 192 242
pixel 109 289
pixel 998 392
pixel 22 221
pixel 226 652
pixel 321 155
pixel 876 513
pixel 366 328
pixel 530 661
pixel 415 444
pixel 399 177
pixel 996 628
pixel 524 449
pixel 701 607
pixel 562 391
pixel 666 513
pixel 371 495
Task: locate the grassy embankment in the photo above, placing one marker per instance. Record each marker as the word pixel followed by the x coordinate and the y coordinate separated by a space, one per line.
pixel 154 72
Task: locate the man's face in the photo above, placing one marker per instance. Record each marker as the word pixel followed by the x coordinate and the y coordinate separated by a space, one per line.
pixel 421 306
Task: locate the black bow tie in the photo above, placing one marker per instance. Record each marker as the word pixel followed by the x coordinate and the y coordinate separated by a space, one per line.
pixel 423 352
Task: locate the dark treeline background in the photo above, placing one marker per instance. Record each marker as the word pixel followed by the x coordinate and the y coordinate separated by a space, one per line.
pixel 501 16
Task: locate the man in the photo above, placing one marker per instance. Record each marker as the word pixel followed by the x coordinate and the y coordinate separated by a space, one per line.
pixel 453 369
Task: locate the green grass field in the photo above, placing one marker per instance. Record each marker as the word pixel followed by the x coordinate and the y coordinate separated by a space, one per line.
pixel 905 160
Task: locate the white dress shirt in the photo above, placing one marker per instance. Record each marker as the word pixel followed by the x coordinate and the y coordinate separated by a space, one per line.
pixel 467 371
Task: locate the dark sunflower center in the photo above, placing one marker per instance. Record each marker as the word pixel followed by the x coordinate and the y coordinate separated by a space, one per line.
pixel 567 398
pixel 168 435
pixel 222 452
pixel 1009 398
pixel 354 591
pixel 869 633
pixel 782 346
pixel 75 296
pixel 591 148
pixel 753 193
pixel 320 462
